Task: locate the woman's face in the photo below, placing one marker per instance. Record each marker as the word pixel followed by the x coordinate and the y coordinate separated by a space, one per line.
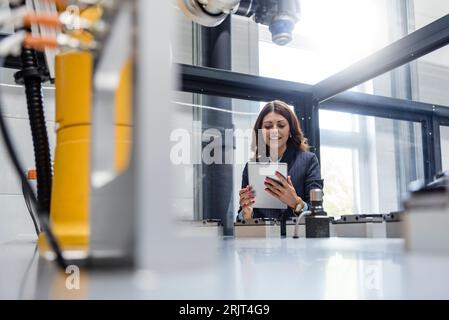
pixel 276 130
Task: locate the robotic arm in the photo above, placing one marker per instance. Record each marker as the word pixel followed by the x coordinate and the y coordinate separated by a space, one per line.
pixel 280 15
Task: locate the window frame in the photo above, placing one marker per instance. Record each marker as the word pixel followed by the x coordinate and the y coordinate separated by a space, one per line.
pixel 230 84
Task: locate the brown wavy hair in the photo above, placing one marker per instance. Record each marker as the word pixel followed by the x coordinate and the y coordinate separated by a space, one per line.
pixel 296 140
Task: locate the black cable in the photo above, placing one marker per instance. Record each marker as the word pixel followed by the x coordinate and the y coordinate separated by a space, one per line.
pixel 42 214
pixel 31 211
pixel 30 76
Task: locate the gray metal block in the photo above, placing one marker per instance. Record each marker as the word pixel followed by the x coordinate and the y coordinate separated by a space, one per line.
pixel 427 231
pixel 376 230
pixel 394 229
pixel 257 231
pixel 426 221
pixel 350 230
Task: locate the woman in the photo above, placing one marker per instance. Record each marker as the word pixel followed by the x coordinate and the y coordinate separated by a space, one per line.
pixel 285 142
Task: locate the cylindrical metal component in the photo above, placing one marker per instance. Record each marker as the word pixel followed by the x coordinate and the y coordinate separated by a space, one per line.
pixel 215 7
pixel 316 200
pixel 195 11
pixel 316 195
pixel 281 29
pixel 285 6
pixel 284 21
pixel 246 8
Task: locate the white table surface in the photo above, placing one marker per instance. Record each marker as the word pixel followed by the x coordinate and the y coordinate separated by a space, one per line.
pixel 334 268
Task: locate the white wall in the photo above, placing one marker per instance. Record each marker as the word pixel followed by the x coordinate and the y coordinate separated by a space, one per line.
pixel 183 116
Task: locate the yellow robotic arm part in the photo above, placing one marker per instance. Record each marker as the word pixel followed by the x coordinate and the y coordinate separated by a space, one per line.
pixel 71 182
pixel 124 102
pixel 70 195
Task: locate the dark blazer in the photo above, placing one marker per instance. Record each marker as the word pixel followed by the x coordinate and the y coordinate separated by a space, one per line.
pixel 304 169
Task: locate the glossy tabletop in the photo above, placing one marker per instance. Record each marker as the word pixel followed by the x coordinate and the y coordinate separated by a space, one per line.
pixel 335 268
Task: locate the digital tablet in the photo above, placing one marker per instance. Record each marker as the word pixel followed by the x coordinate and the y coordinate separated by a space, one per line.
pixel 257 172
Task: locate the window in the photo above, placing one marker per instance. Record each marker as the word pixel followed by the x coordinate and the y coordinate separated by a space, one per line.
pixel 427 11
pixel 207 125
pixel 337 167
pixel 430 73
pixel 432 80
pixel 330 36
pixel 202 189
pixel 444 134
pixel 367 162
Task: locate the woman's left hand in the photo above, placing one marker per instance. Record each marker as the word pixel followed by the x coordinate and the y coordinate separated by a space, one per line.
pixel 283 190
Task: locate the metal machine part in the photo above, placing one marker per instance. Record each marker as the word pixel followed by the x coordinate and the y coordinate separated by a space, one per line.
pixel 317 222
pixel 267 228
pixel 359 218
pixel 360 226
pixel 194 228
pixel 279 15
pixel 317 226
pixel 316 196
pixel 441 180
pixel 209 13
pixel 214 7
pixel 256 228
pixel 316 200
pixel 368 226
pixel 394 216
pixel 426 219
pixel 347 226
pixel 394 224
pixel 111 230
pixel 115 53
pixel 256 221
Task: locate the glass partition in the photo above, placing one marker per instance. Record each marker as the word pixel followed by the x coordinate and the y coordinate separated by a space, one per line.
pixel 368 162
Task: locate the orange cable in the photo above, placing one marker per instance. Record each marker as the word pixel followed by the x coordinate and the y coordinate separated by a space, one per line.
pixel 48 20
pixel 40 43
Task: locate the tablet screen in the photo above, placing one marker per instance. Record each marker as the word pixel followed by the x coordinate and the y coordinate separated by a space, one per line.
pixel 257 172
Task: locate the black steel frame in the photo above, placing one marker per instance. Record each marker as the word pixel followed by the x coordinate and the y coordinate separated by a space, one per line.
pixel 327 94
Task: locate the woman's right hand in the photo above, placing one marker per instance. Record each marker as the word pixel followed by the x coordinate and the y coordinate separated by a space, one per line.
pixel 247 201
